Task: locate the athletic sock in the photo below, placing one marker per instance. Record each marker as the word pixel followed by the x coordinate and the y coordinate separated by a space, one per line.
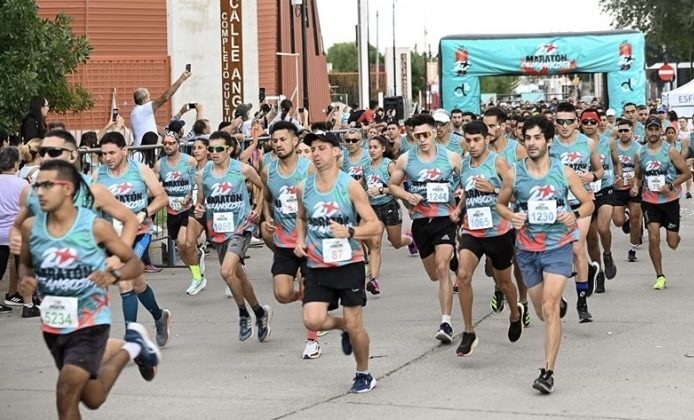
pixel 446 319
pixel 365 372
pixel 258 311
pixel 581 289
pixel 129 306
pixel 312 335
pixel 133 349
pixel 150 302
pixel 195 271
pixel 632 247
pixel 243 312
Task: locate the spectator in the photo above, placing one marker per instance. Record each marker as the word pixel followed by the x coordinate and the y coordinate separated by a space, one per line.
pixel 90 161
pixel 5 139
pixel 369 115
pixel 30 156
pixel 148 156
pixel 286 115
pixel 142 116
pixel 12 187
pixel 119 126
pixel 34 123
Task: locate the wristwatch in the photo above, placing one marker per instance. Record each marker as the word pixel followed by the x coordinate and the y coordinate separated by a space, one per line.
pixel 380 190
pixel 496 191
pixel 351 232
pixel 116 274
pixel 670 186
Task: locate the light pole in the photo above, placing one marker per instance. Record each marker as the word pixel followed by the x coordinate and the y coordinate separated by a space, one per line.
pixel 304 49
pixel 395 86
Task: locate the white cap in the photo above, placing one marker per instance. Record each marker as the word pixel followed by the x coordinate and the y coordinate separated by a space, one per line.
pixel 611 112
pixel 441 115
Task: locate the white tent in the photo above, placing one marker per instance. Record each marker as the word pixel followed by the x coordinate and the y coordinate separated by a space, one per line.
pixel 681 100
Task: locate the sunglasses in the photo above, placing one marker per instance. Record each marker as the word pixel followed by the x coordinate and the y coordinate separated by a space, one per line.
pixel 217 149
pixel 47 185
pixel 170 143
pixel 568 121
pixel 624 130
pixel 53 152
pixel 423 134
pixel 589 122
pixel 352 141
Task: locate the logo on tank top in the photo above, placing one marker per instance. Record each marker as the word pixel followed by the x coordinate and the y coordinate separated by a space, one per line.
pixel 654 165
pixel 356 172
pixel 222 198
pixel 541 192
pixel 60 270
pixel 59 257
pixel 470 182
pixel 323 213
pixel 624 159
pixel 173 176
pixel 221 188
pixel 569 158
pixel 432 174
pixel 373 179
pixel 121 189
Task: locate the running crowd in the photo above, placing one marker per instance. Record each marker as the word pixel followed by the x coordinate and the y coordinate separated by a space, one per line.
pixel 534 193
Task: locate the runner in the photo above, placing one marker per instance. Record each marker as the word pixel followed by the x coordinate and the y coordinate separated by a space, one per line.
pixel 547 229
pixel 393 136
pixel 661 170
pixel 354 157
pixel 637 128
pixel 224 200
pixel 328 235
pixel 599 232
pixel 407 141
pixel 627 199
pixel 376 179
pixel 483 231
pixel 429 168
pixel 63 254
pixel 578 152
pixel 176 171
pixel 132 183
pixel 280 180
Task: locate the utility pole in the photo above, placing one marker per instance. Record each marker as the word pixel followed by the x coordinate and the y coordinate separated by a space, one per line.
pixel 304 49
pixel 395 77
pixel 378 77
pixel 363 53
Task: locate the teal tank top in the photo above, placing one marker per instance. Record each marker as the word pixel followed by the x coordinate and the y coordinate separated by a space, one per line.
pixel 324 250
pixel 605 155
pixel 657 170
pixel 626 158
pixel 283 191
pixel 378 177
pixel 576 156
pixel 405 145
pixel 62 267
pixel 227 204
pixel 130 188
pixel 431 180
pixel 178 182
pixel 510 153
pixel 481 219
pixel 536 197
pixel 355 169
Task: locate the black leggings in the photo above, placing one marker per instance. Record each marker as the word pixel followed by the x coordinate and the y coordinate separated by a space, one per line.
pixel 4 258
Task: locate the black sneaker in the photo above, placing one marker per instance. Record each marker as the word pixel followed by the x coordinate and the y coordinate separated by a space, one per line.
pixel 610 268
pixel 545 382
pixel 467 344
pixel 5 308
pixel 30 311
pixel 14 299
pixel 689 195
pixel 454 265
pixel 631 257
pixel 526 315
pixel 583 314
pixel 563 306
pixel 515 328
pixel 346 344
pixel 445 333
pixel 593 269
pixel 600 283
pixel 496 304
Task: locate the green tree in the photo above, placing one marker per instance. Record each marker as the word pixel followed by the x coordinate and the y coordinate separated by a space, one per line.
pixel 345 58
pixel 502 85
pixel 36 56
pixel 666 23
pixel 418 64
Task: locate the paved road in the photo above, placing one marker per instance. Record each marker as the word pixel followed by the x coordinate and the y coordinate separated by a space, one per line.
pixel 631 363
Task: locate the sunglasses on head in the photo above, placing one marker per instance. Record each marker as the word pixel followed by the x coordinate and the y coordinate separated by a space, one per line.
pixel 47 185
pixel 217 149
pixel 423 134
pixel 352 141
pixel 53 152
pixel 589 122
pixel 567 121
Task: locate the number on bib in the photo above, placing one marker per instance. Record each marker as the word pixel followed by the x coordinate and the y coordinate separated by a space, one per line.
pixel 596 186
pixel 223 222
pixel 290 205
pixel 176 203
pixel 542 211
pixel 336 250
pixel 59 312
pixel 655 182
pixel 479 218
pixel 437 192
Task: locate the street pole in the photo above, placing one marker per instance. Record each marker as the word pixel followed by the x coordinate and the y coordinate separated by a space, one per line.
pixel 378 77
pixel 363 53
pixel 304 50
pixel 395 78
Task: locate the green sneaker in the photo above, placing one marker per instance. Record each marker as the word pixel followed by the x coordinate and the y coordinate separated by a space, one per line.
pixel 496 304
pixel 526 314
pixel 660 283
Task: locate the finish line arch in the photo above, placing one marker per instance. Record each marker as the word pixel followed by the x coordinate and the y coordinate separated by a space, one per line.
pixel 463 59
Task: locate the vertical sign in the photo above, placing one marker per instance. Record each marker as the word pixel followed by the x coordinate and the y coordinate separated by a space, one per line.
pixel 232 57
pixel 404 72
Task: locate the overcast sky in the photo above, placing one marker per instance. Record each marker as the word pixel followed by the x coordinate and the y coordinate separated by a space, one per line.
pixel 453 17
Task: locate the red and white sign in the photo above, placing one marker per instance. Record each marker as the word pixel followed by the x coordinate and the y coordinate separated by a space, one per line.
pixel 666 73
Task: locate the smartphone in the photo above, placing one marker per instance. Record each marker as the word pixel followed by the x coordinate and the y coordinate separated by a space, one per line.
pixel 188 68
pixel 114 114
pixel 191 105
pixel 301 110
pixel 261 94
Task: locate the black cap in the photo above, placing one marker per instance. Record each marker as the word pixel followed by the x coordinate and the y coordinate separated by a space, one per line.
pixel 175 125
pixel 653 121
pixel 322 136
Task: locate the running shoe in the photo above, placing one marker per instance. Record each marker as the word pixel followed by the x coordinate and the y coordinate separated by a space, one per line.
pixel 545 382
pixel 227 291
pixel 196 286
pixel 150 356
pixel 321 333
pixel 659 283
pixel 497 302
pixel 263 324
pixel 373 287
pixel 311 350
pixel 610 268
pixel 631 256
pixel 593 269
pixel 600 283
pixel 526 315
pixel 245 328
pixel 163 325
pixel 30 311
pixel 151 268
pixel 467 344
pixel 363 382
pixel 412 247
pixel 5 308
pixel 14 299
pixel 445 333
pixel 583 314
pixel 515 328
pixel 346 344
pixel 689 195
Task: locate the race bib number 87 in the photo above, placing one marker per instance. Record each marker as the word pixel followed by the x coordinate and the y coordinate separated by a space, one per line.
pixel 336 250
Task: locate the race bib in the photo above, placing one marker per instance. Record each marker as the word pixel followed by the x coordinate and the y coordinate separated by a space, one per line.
pixel 655 182
pixel 336 250
pixel 479 218
pixel 176 203
pixel 595 186
pixel 223 222
pixel 289 204
pixel 542 211
pixel 59 312
pixel 628 176
pixel 437 192
pixel 118 226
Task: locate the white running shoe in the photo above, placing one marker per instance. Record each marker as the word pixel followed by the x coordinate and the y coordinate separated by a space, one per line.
pixel 196 286
pixel 311 350
pixel 201 259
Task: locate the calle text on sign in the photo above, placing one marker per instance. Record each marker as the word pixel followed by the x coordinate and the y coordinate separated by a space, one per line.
pixel 232 56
